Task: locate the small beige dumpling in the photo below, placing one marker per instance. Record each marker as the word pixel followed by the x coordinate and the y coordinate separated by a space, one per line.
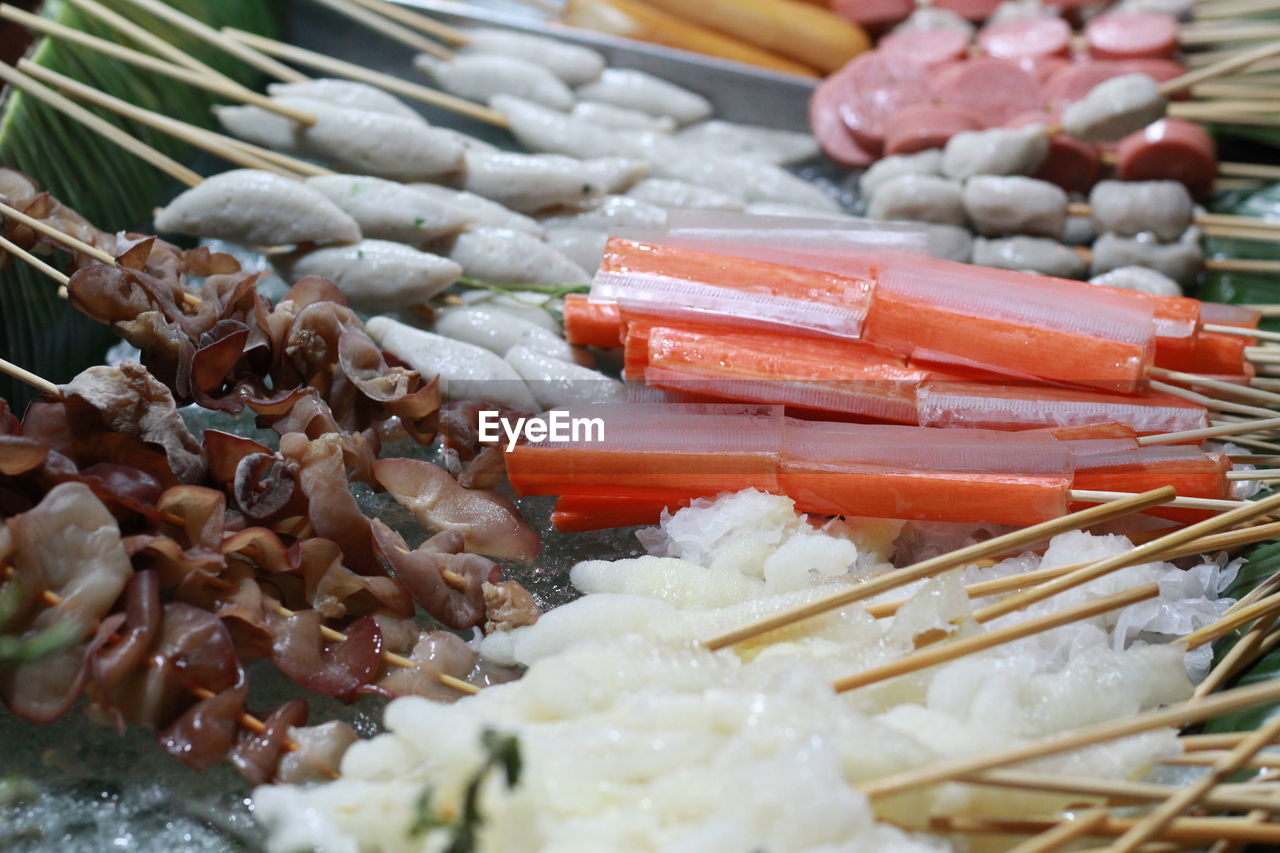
pixel 387 210
pixel 376 275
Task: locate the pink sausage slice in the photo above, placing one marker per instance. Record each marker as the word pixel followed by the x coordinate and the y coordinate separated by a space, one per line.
pixel 994 89
pixel 1132 35
pixel 1172 150
pixel 874 14
pixel 1072 164
pixel 972 10
pixel 927 47
pixel 926 126
pixel 1026 39
pixel 874 87
pixel 834 138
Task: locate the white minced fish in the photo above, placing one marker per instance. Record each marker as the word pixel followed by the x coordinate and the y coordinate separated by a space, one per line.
pixel 610 213
pixel 1180 261
pixel 1164 208
pixel 584 246
pixel 483 212
pixel 572 63
pixel 557 384
pixel 1115 108
pixel 345 93
pixel 615 174
pixel 750 140
pixel 499 331
pixel 621 118
pixel 387 210
pixel 352 140
pixel 998 205
pixel 480 76
pixel 1030 254
pixel 1078 231
pixel 378 275
pixel 918 198
pixel 1139 278
pixel 951 242
pixel 257 209
pixel 504 256
pixel 934 18
pixel 466 371
pixel 637 90
pixel 541 129
pixel 528 183
pixel 927 162
pixel 998 151
pixel 665 192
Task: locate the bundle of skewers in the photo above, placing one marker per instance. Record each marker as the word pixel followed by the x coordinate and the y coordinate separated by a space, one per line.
pixel 842 359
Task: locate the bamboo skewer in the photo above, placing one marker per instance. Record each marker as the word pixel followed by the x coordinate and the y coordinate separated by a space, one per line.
pixel 420 22
pixel 387 27
pixel 1230 622
pixel 143 37
pixel 234 150
pixel 1237 331
pixel 1192 829
pixel 1185 798
pixel 22 254
pixel 1143 553
pixel 1226 65
pixel 1210 757
pixel 1223 796
pixel 145 61
pixel 942 653
pixel 99 125
pixel 1230 388
pixel 359 73
pixel 1064 833
pixel 61 237
pixel 1182 713
pixel 1211 403
pixel 1209 432
pixel 206 33
pixel 937 565
pixel 1243 652
pixel 24 375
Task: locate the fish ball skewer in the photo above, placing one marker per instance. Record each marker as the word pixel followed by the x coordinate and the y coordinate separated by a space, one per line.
pixel 377 275
pixel 527 183
pixel 345 93
pixel 556 383
pixel 1034 254
pixel 483 212
pixel 1180 261
pixel 919 198
pixel 927 162
pixel 573 64
pixel 1115 108
pixel 505 256
pixel 999 151
pixel 1164 208
pixel 499 331
pixel 765 143
pixel 386 210
pixel 1141 279
pixel 666 192
pixel 615 117
pixel 478 77
pixel 636 90
pixel 999 205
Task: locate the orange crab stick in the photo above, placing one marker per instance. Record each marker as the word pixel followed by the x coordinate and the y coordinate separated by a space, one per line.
pixel 591 324
pixel 582 513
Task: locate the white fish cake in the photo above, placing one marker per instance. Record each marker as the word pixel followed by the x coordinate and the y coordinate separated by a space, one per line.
pixel 572 63
pixel 557 384
pixel 352 140
pixel 386 210
pixel 636 90
pixel 927 162
pixel 951 242
pixel 345 93
pixel 483 212
pixel 1115 108
pixel 750 140
pixel 1180 261
pixel 257 209
pixel 480 76
pixel 584 246
pixel 615 117
pixel 377 275
pixel 1011 204
pixel 528 183
pixel 665 192
pixel 1139 278
pixel 541 129
pixel 999 151
pixel 615 174
pixel 918 198
pixel 503 256
pixel 466 371
pixel 499 331
pixel 1164 208
pixel 611 213
pixel 1030 254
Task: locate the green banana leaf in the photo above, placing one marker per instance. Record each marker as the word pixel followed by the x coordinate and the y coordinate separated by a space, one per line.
pixel 112 188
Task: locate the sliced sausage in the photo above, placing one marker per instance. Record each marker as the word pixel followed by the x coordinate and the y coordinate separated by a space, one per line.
pixel 1072 164
pixel 927 47
pixel 1132 35
pixel 835 139
pixel 970 10
pixel 875 15
pixel 995 89
pixel 874 88
pixel 1031 38
pixel 1074 82
pixel 926 126
pixel 1171 149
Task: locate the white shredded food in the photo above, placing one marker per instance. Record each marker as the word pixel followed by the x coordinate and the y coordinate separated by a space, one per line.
pixel 634 737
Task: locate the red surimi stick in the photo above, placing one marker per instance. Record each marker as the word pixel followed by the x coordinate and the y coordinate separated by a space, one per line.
pixel 583 513
pixel 1214 355
pixel 591 324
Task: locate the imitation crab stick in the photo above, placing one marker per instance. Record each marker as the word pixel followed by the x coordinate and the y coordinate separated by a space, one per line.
pixel 581 513
pixel 591 324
